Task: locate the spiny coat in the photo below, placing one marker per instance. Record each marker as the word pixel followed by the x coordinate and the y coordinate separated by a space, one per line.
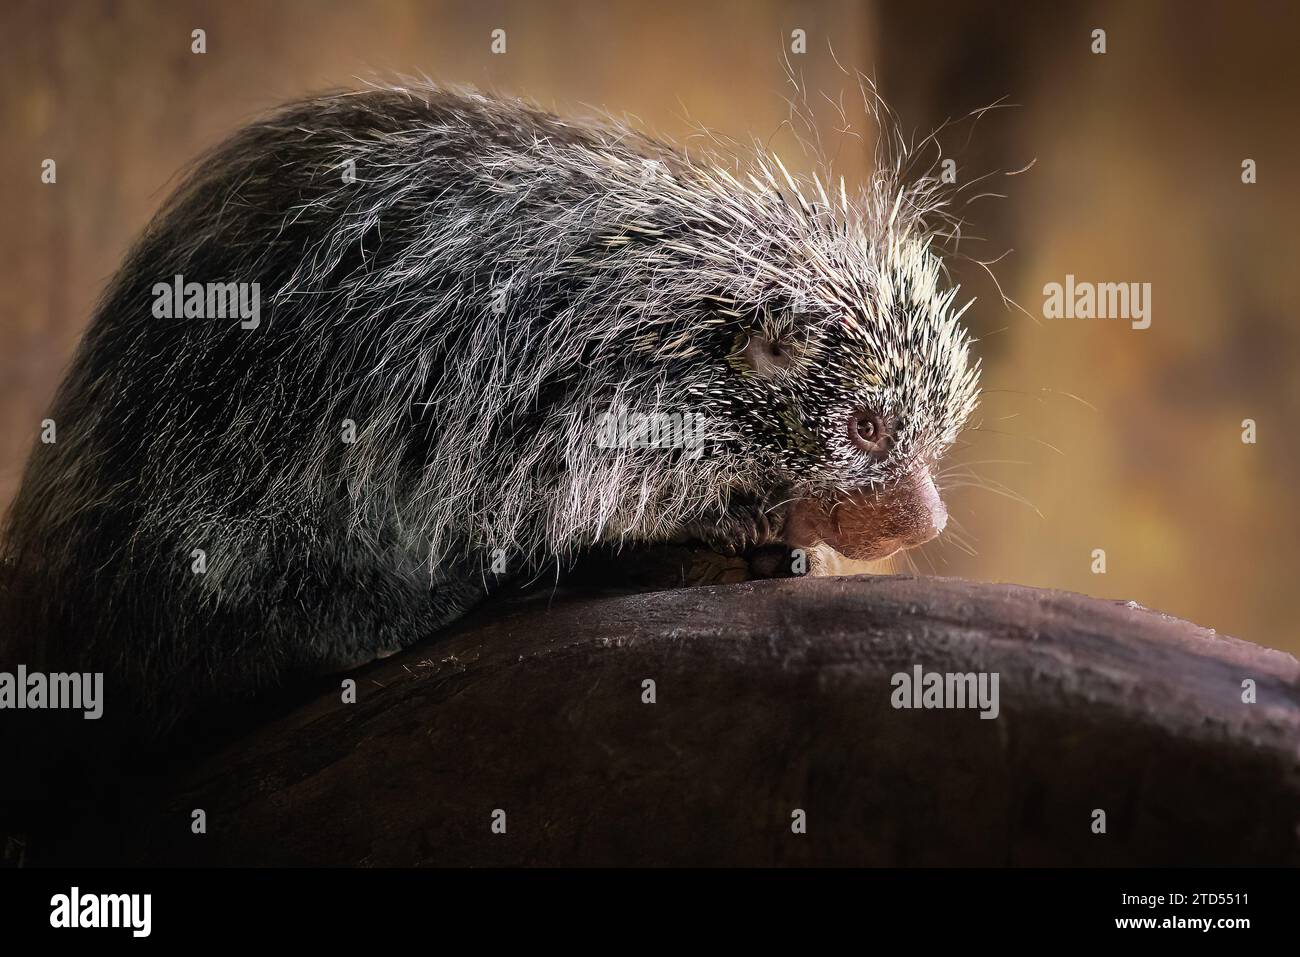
pixel 470 284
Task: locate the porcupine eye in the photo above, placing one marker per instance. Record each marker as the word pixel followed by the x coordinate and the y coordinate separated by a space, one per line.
pixel 867 432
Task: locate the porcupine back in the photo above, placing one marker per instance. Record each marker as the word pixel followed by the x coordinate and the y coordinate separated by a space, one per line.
pixel 438 301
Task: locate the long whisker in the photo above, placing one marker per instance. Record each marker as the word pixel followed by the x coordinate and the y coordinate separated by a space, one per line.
pixel 1046 445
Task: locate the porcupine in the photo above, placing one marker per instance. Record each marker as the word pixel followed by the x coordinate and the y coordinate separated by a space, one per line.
pixel 491 282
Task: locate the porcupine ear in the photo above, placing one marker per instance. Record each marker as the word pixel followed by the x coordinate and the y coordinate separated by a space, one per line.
pixel 771 341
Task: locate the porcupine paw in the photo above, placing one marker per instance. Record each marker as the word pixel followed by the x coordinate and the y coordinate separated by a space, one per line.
pixel 740 528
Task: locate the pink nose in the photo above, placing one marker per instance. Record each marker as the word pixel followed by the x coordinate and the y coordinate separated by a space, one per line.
pixel 870 523
pixel 930 504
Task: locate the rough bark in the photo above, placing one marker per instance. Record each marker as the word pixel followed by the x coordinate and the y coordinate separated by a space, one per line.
pixel 771 697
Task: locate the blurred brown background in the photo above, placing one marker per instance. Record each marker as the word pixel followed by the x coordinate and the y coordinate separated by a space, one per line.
pixel 1123 440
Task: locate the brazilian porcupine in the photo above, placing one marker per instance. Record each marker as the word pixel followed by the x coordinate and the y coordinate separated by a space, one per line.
pixel 471 284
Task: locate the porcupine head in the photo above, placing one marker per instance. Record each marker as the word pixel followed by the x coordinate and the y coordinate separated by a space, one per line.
pixel 826 357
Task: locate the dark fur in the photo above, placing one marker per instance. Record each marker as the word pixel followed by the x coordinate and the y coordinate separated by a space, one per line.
pixel 630 275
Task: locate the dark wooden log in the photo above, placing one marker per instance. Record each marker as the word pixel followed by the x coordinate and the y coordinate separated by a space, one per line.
pixel 771 697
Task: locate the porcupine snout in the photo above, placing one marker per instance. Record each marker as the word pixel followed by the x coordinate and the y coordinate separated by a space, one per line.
pixel 931 505
pixel 869 524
